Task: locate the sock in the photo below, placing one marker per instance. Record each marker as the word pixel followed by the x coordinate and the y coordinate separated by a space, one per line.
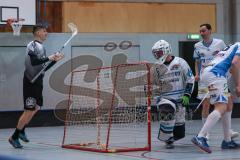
pixel 230 121
pixel 16 134
pixel 212 119
pixel 23 130
pixel 226 123
pixel 204 120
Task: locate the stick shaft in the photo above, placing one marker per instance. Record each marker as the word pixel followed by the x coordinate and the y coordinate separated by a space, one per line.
pixel 201 101
pixel 51 63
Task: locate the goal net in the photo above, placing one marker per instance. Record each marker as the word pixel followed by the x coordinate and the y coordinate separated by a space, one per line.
pixel 109 109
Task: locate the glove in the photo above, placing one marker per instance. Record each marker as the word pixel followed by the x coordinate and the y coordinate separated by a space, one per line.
pixel 185 100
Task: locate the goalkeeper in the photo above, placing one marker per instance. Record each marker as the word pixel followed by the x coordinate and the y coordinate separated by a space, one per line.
pixel 174 83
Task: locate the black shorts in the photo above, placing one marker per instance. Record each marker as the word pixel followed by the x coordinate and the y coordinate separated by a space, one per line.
pixel 32 94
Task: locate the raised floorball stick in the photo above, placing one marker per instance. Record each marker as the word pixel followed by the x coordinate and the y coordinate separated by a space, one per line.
pixel 74 31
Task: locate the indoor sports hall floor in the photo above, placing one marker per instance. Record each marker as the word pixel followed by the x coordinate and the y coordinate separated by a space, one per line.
pixel 45 145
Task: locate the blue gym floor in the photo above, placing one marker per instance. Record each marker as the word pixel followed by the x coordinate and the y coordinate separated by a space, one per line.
pixel 46 145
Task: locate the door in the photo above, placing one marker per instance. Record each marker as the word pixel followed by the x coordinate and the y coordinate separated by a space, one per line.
pixel 186 49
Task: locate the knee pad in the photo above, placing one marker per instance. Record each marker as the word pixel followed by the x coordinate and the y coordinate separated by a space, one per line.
pixel 166 130
pixel 167 110
pixel 30 103
pixel 179 132
pixel 180 114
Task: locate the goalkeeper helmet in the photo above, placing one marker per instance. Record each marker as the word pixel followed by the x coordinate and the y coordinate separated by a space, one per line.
pixel 160 50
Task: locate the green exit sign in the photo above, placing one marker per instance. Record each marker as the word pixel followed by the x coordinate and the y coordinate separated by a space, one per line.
pixel 193 36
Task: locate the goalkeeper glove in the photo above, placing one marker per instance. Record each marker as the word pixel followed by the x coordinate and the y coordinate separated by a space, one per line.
pixel 185 100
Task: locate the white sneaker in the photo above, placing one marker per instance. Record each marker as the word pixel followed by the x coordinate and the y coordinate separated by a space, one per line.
pixel 234 134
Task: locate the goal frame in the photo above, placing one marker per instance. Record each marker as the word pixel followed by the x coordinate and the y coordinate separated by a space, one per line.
pixel 106 148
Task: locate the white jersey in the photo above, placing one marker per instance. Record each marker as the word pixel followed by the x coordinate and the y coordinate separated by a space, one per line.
pixel 222 62
pixel 215 74
pixel 205 53
pixel 172 79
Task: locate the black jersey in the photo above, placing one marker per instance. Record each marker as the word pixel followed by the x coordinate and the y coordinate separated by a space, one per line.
pixel 35 59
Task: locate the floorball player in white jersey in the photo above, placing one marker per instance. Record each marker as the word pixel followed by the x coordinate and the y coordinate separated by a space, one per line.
pixel 215 77
pixel 204 52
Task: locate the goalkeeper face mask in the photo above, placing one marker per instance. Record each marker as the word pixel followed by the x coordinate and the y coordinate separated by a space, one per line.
pixel 160 50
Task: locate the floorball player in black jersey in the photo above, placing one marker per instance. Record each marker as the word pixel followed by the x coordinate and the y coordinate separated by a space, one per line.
pixel 32 92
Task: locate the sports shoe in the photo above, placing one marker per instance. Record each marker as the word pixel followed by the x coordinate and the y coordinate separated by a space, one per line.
pixel 234 134
pixel 23 137
pixel 15 143
pixel 169 143
pixel 229 145
pixel 201 142
pixel 208 136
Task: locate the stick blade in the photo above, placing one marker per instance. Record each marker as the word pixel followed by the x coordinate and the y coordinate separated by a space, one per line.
pixel 73 28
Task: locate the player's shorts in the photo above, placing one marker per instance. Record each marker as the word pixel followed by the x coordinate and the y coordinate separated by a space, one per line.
pixel 32 94
pixel 217 86
pixel 202 90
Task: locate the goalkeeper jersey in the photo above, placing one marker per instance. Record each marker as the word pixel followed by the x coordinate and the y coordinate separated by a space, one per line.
pixel 172 79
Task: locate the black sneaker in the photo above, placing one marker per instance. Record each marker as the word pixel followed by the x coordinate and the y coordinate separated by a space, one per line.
pixel 229 145
pixel 169 143
pixel 23 137
pixel 15 143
